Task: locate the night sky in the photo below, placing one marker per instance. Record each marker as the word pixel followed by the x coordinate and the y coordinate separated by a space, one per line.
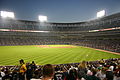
pixel 59 10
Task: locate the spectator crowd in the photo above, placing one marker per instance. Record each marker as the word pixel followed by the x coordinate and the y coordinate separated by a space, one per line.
pixel 104 69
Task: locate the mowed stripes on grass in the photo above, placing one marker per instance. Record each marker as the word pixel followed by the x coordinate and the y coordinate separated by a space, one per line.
pixel 52 54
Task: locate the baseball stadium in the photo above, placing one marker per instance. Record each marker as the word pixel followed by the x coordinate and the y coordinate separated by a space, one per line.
pixel 59 44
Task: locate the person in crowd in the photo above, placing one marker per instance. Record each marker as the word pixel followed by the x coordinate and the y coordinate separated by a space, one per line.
pixel 28 71
pixel 72 75
pixel 33 67
pixel 102 62
pixel 93 76
pixel 117 72
pixel 48 72
pixel 59 73
pixel 15 73
pixel 8 75
pixel 22 70
pixel 82 70
pixel 101 73
pixel 2 74
pixel 109 74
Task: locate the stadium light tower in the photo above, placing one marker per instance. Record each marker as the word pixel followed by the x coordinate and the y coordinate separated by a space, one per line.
pixel 100 13
pixel 42 18
pixel 6 14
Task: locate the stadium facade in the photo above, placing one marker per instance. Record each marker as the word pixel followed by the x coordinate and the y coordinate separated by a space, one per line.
pixel 102 33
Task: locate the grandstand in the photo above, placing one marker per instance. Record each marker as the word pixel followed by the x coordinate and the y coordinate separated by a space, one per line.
pixel 102 33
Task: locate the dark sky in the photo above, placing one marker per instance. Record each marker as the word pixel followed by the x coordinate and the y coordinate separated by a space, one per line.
pixel 60 10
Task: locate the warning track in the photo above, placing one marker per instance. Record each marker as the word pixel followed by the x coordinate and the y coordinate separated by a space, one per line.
pixel 105 51
pixel 47 46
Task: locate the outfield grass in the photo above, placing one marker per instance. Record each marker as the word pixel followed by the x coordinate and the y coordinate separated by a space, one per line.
pixel 10 55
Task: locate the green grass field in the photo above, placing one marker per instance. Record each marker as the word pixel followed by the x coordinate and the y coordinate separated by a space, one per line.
pixel 53 54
